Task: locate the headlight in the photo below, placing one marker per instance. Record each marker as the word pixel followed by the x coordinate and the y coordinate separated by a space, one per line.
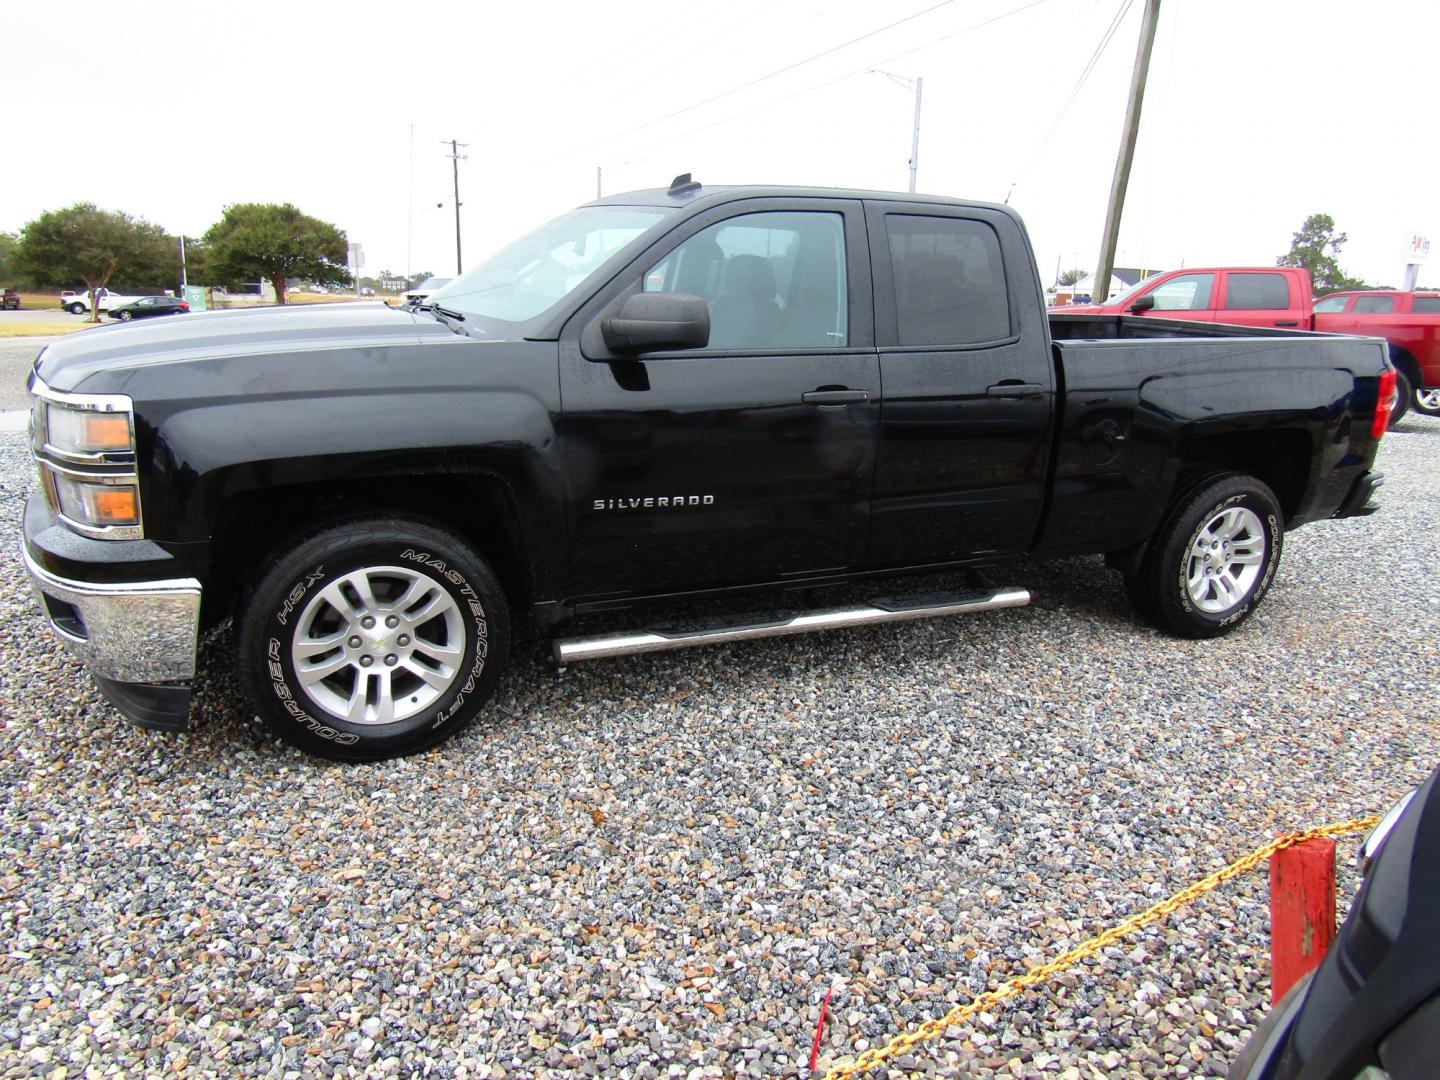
pixel 84 432
pixel 84 445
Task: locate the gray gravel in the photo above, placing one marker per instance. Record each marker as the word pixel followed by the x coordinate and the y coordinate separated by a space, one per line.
pixel 654 867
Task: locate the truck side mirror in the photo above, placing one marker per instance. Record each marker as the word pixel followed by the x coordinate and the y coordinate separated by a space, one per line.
pixel 649 321
pixel 1142 304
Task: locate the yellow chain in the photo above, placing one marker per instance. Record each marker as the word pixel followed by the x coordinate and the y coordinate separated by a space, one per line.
pixel 933 1029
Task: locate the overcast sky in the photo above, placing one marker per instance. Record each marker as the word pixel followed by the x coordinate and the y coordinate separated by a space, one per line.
pixel 1258 113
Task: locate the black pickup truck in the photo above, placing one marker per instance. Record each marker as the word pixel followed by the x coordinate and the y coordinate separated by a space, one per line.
pixel 670 394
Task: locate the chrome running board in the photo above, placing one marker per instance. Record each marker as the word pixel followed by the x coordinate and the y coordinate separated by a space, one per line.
pixel 715 632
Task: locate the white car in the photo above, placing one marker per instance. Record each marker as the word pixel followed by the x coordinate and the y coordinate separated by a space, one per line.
pixel 424 289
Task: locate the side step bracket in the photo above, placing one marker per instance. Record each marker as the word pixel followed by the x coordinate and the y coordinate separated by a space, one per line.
pixel 879 610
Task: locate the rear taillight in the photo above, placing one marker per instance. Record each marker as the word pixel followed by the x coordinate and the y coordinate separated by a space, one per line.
pixel 184 306
pixel 1384 403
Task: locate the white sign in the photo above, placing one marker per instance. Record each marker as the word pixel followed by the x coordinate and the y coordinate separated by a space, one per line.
pixel 1418 250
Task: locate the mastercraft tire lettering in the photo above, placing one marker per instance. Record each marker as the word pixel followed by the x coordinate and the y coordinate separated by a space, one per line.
pixel 372 639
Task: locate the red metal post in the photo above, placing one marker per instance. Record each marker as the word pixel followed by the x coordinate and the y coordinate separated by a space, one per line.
pixel 1302 911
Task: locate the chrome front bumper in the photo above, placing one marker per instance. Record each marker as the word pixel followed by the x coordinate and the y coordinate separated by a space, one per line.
pixel 127 632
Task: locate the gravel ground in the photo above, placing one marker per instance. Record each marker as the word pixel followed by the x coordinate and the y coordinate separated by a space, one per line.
pixel 655 867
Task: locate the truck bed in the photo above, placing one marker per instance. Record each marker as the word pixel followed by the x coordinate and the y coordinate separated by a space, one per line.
pixel 1110 327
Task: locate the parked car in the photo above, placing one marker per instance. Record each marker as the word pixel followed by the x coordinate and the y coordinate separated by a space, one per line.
pixel 1280 296
pixel 1372 1007
pixel 676 392
pixel 1409 321
pixel 144 307
pixel 424 289
pixel 11 300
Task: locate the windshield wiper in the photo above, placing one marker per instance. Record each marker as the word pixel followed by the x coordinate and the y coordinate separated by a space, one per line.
pixel 445 315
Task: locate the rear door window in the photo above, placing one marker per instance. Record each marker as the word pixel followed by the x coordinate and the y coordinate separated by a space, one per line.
pixel 1256 292
pixel 949 281
pixel 1425 305
pixel 1373 305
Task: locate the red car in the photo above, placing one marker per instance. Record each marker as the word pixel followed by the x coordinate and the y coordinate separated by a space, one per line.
pixel 1410 321
pixel 11 301
pixel 1238 295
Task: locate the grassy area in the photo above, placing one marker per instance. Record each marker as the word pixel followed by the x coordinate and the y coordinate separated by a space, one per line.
pixel 39 329
pixel 34 301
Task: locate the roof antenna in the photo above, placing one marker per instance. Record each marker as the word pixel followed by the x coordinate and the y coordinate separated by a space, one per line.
pixel 683 185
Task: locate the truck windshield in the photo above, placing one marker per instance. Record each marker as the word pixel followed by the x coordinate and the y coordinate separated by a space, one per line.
pixel 532 275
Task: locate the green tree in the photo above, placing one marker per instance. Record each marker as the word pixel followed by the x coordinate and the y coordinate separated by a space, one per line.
pixel 8 243
pixel 275 241
pixel 1316 248
pixel 85 244
pixel 1070 277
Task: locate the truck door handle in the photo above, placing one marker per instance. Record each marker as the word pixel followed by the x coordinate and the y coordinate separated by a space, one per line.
pixel 1288 322
pixel 834 397
pixel 1015 389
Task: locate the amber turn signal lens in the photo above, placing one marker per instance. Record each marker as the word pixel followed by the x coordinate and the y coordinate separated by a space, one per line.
pixel 108 431
pixel 111 506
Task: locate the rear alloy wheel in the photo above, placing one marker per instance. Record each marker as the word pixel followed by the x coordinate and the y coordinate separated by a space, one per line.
pixel 1213 559
pixel 373 639
pixel 76 309
pixel 1427 400
pixel 124 316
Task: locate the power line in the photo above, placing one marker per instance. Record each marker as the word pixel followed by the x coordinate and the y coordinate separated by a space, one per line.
pixel 839 78
pixel 1074 92
pixel 770 75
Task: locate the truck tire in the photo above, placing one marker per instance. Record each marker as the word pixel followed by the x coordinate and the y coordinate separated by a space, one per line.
pixel 1427 400
pixel 76 309
pixel 372 638
pixel 1213 559
pixel 1404 395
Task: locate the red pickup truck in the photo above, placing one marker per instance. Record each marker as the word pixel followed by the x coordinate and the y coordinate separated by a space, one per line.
pixel 1409 321
pixel 1238 295
pixel 1281 296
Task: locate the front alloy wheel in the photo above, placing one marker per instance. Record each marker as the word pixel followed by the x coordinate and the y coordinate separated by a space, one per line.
pixel 378 645
pixel 372 638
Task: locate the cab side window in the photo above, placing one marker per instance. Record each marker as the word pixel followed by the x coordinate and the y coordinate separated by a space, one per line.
pixel 1331 304
pixel 773 280
pixel 1374 305
pixel 949 281
pixel 1188 292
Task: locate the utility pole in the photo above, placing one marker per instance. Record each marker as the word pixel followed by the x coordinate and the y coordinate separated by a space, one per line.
pixel 597 182
pixel 915 139
pixel 1127 153
pixel 455 158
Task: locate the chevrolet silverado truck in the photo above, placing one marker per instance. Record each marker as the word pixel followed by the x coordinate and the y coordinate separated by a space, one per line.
pixel 662 396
